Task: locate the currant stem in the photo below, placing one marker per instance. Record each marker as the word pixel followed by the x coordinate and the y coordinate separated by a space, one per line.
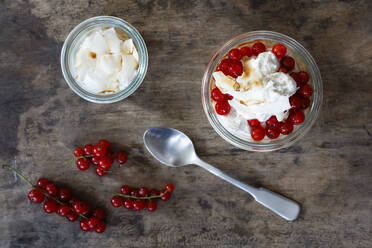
pixel 36 187
pixel 87 156
pixel 19 174
pixel 76 158
pixel 59 202
pixel 142 197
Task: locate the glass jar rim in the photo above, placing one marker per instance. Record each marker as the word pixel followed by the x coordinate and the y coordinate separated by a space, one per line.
pixel 96 22
pixel 288 139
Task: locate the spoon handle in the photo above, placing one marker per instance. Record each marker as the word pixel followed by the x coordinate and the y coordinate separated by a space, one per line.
pixel 279 204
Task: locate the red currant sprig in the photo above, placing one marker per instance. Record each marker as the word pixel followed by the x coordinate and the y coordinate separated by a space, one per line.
pixel 141 198
pixel 98 155
pixel 60 201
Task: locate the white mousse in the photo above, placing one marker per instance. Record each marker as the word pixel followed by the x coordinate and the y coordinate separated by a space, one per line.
pixel 259 93
pixel 104 63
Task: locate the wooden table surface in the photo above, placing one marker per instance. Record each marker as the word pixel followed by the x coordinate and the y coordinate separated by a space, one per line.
pixel 329 171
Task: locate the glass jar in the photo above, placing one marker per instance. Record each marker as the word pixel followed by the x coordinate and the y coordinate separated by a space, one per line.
pixel 71 46
pixel 283 140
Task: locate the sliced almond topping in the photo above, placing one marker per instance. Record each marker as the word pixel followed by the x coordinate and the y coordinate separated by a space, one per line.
pixel 236 86
pixel 92 55
pixel 257 83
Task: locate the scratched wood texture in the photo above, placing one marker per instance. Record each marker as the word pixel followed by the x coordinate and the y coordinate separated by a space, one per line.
pixel 329 171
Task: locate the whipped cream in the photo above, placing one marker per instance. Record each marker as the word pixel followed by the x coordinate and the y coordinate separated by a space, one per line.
pixel 259 93
pixel 104 63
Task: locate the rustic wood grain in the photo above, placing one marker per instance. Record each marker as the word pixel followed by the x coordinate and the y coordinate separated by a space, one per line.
pixel 329 171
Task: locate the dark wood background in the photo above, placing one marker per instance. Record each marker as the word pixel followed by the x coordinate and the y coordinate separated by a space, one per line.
pixel 329 171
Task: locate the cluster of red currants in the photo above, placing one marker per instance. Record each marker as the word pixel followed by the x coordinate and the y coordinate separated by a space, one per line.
pixel 141 198
pixel 299 101
pixel 272 128
pixel 60 201
pixel 99 155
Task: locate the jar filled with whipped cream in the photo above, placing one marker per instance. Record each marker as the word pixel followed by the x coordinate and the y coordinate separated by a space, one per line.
pixel 104 59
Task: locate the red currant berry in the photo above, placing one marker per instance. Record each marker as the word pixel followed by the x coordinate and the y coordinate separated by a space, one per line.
pixel 283 69
pixel 305 102
pixel 36 196
pixel 295 101
pixel 42 183
pixel 88 149
pixel 100 227
pixel 80 207
pixel 286 127
pixel 82 164
pixel 253 123
pixel 297 117
pixel 86 210
pixel 304 77
pixel 117 201
pixel 296 77
pixel 222 108
pixel 105 163
pixel 165 195
pixel 111 156
pixel 50 206
pixel 134 192
pixel 104 143
pixel 72 217
pixel 272 133
pixel 235 68
pixel 306 90
pixel 235 54
pixel 122 157
pixel 154 192
pixel 143 191
pixel 128 204
pixel 93 222
pixel 258 133
pixel 99 213
pixel 100 172
pixel 64 195
pixel 125 190
pixel 228 97
pixel 51 189
pixel 279 50
pixel 272 122
pixel 84 226
pixel 63 210
pixel 78 152
pixel 224 66
pixel 72 201
pixel 151 206
pixel 169 188
pixel 95 160
pixel 138 205
pixel 258 48
pixel 217 95
pixel 99 151
pixel 246 51
pixel 288 62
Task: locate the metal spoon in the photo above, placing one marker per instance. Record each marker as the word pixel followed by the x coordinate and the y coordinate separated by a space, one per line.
pixel 173 148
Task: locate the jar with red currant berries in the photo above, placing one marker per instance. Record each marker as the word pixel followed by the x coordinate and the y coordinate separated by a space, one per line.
pixel 268 132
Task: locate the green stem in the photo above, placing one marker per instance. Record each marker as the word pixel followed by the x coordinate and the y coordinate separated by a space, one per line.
pixel 19 174
pixel 42 190
pixel 141 197
pixel 76 158
pixel 86 156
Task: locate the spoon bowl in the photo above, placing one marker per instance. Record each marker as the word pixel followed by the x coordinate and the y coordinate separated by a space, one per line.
pixel 169 146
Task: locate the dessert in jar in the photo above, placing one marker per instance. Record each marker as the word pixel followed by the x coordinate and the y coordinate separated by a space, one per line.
pixel 261 91
pixel 106 61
